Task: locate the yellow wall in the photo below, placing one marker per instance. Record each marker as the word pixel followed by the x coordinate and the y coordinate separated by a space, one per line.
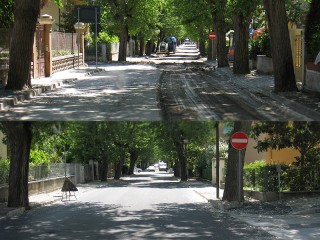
pixel 52 9
pixel 3 148
pixel 252 154
pixel 286 155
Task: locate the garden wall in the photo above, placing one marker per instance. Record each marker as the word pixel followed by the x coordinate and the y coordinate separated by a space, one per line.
pixel 264 64
pixel 312 79
pixel 274 196
pixel 40 186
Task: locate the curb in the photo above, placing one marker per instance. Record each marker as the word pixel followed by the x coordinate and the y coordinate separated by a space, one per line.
pixel 16 212
pixel 21 96
pixel 26 95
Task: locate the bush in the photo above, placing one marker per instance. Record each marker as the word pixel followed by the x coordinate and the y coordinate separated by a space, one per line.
pixel 106 38
pixel 4 171
pixel 260 46
pixel 38 157
pixel 263 177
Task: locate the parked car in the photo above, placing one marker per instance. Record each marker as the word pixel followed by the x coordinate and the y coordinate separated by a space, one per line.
pixel 138 170
pixel 151 168
pixel 162 166
pixel 168 45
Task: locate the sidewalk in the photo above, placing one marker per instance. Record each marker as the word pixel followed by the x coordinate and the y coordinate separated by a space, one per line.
pixel 297 218
pixel 257 86
pixel 42 199
pixel 44 84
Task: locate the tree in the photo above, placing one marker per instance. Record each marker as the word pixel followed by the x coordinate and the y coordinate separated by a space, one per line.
pixel 243 11
pixel 231 191
pixel 218 8
pixel 303 136
pixel 26 13
pixel 19 137
pixel 177 138
pixel 195 25
pixel 312 33
pixel 280 46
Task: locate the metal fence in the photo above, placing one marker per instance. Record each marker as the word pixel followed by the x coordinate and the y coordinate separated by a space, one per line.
pixel 50 171
pixel 275 178
pixel 64 44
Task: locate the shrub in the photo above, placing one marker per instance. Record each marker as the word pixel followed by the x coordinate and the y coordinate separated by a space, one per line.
pixel 260 46
pixel 106 38
pixel 4 171
pixel 263 177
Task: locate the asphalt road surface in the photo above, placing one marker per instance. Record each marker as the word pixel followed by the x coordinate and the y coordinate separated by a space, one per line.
pixel 146 206
pixel 120 92
pixel 174 87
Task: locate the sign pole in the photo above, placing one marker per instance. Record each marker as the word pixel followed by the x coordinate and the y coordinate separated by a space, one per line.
pixel 212 49
pixel 239 141
pixel 96 23
pixel 78 37
pixel 217 162
pixel 239 177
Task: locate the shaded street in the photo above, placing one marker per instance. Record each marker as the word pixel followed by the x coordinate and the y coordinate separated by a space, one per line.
pixel 145 206
pixel 159 87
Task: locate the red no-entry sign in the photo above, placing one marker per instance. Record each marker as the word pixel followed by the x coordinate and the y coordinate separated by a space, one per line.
pixel 212 35
pixel 239 140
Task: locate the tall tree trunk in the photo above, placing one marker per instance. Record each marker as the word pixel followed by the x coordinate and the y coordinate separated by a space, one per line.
pixel 119 166
pixel 141 43
pixel 19 139
pixel 182 160
pixel 26 13
pixel 241 37
pixel 123 44
pixel 231 191
pixel 133 159
pixel 177 169
pixel 104 169
pixel 202 48
pixel 280 46
pixel 219 23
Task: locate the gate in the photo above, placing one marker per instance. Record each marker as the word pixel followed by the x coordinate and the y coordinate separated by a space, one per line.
pixel 38 55
pixel 296 39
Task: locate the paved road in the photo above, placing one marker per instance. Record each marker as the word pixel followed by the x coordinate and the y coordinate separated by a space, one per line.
pixel 200 92
pixel 119 92
pixel 174 87
pixel 148 206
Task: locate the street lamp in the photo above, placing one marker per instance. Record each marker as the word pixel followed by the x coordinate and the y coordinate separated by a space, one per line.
pixel 79 27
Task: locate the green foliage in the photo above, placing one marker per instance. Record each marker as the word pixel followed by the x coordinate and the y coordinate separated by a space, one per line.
pixel 312 30
pixel 67 17
pixel 6 13
pixel 260 46
pixel 4 171
pixel 104 37
pixel 62 52
pixel 262 177
pixel 296 11
pixel 38 157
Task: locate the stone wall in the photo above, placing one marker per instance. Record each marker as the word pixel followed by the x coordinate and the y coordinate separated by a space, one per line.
pixel 40 186
pixel 312 80
pixel 264 64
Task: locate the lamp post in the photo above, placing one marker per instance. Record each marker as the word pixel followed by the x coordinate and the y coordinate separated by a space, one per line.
pixel 46 20
pixel 79 27
pixel 185 143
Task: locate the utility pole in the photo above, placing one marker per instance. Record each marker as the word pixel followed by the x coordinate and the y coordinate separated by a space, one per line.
pixel 217 161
